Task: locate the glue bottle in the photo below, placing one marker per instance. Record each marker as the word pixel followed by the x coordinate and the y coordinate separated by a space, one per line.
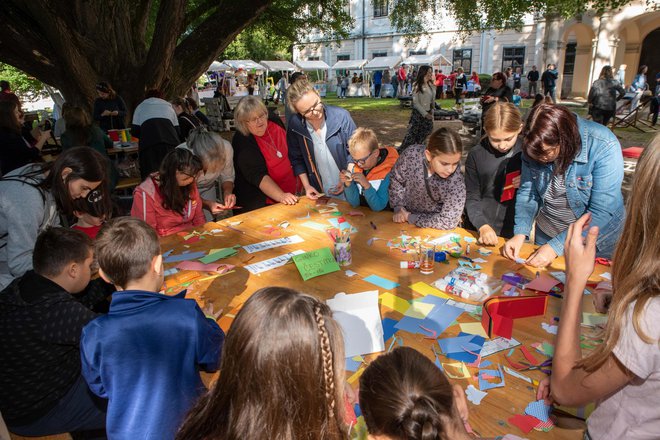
pixel 410 265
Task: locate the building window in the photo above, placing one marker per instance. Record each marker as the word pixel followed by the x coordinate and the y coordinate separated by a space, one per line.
pixel 313 58
pixel 378 54
pixel 513 57
pixel 569 59
pixel 416 52
pixel 462 58
pixel 380 8
pixel 343 57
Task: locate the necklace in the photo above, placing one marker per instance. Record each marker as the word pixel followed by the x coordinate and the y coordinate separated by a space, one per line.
pixel 271 144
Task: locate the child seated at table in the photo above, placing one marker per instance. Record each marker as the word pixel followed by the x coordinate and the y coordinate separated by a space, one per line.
pixel 41 389
pixel 144 356
pixel 369 182
pixel 90 215
pixel 427 187
pixel 169 200
pixel 492 174
pixel 282 374
pixel 403 395
pixel 623 373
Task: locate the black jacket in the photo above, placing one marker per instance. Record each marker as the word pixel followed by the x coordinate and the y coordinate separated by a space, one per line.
pixel 485 171
pixel 110 122
pixel 15 152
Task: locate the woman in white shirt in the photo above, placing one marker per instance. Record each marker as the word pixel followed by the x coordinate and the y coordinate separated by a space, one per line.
pixel 421 120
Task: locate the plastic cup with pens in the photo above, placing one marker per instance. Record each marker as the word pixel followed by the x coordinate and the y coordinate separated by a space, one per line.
pixel 342 242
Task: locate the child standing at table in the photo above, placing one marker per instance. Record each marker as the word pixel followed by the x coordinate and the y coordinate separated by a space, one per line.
pixel 144 356
pixel 427 187
pixel 492 174
pixel 288 388
pixel 90 216
pixel 623 373
pixel 169 200
pixel 369 183
pixel 403 395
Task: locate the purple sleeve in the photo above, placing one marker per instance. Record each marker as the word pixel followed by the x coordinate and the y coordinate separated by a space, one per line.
pixel 449 215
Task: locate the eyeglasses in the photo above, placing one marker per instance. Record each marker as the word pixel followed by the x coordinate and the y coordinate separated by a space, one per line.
pixel 257 119
pixel 364 159
pixel 313 108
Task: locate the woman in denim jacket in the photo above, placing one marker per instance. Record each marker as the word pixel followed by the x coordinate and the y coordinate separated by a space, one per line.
pixel 570 166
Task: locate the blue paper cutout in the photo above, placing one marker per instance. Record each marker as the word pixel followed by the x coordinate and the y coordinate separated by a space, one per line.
pixel 381 282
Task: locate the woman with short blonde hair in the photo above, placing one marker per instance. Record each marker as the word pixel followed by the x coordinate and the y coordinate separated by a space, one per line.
pixel 261 158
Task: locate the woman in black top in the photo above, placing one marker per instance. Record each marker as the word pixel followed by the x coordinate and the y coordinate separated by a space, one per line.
pixel 460 84
pixel 497 92
pixel 15 151
pixel 187 121
pixel 109 108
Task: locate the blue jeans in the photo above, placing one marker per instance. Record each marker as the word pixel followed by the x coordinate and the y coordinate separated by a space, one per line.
pixel 79 412
pixel 550 91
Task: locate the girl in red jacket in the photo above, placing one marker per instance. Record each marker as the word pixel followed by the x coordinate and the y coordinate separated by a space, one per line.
pixel 169 200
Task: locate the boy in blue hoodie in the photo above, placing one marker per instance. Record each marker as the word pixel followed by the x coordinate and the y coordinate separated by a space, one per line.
pixel 144 356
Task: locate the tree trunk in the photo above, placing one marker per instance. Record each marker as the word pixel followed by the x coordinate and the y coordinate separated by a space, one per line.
pixel 135 45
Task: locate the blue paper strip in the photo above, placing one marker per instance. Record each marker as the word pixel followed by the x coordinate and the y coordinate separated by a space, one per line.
pixel 184 257
pixel 381 282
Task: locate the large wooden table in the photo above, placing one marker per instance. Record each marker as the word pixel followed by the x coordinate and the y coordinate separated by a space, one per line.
pixel 231 290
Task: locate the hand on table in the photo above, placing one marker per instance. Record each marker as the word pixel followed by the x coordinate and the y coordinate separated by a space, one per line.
pixel 487 236
pixel 542 257
pixel 512 247
pixel 288 199
pixel 311 193
pixel 401 216
pixel 543 392
pixel 580 253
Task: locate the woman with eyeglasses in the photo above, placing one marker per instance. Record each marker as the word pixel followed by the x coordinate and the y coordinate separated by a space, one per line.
pixel 318 137
pixel 264 175
pixel 369 181
pixel 168 200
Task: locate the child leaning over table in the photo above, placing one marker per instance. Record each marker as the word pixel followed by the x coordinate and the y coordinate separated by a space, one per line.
pixel 144 356
pixel 90 215
pixel 427 187
pixel 369 183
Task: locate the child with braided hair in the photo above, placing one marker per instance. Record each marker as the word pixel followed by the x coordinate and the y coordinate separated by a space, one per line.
pixel 282 368
pixel 404 396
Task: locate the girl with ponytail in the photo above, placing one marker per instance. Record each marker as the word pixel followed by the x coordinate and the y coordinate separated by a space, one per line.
pixel 281 374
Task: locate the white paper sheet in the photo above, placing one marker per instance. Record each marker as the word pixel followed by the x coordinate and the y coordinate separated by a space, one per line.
pixel 256 247
pixel 271 263
pixel 358 316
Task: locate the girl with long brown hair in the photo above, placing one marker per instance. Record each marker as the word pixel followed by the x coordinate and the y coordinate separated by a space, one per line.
pixel 490 201
pixel 281 374
pixel 423 103
pixel 623 373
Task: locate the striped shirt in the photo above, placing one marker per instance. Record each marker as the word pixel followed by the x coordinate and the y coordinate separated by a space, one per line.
pixel 556 214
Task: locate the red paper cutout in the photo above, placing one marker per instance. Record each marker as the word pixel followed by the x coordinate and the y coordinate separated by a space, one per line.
pixel 500 311
pixel 509 192
pixel 524 422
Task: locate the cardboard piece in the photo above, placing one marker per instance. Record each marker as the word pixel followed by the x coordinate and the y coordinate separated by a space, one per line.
pixel 315 263
pixel 359 318
pixel 500 311
pixel 508 191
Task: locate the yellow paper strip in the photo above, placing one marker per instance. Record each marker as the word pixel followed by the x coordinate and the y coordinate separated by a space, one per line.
pixel 424 289
pixel 394 302
pixel 419 310
pixel 354 378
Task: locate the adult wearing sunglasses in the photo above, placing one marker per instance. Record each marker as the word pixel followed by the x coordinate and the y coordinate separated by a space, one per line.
pixel 261 158
pixel 318 140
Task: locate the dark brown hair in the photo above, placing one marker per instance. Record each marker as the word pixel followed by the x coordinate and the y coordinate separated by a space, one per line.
pixel 281 374
pixel 79 125
pixel 57 247
pixel 552 126
pixel 403 395
pixel 420 80
pixel 182 160
pixel 499 76
pixel 444 141
pixel 105 87
pixel 125 248
pixel 192 104
pixel 8 119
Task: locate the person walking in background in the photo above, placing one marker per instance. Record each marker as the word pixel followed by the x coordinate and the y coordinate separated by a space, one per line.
pixel 109 108
pixel 604 94
pixel 401 79
pixel 621 75
pixel 638 86
pixel 343 87
pixel 423 102
pixel 378 81
pixel 460 84
pixel 509 77
pixel 532 80
pixel 549 81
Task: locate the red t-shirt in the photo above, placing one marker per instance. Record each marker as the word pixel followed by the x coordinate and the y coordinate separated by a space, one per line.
pixel 91 231
pixel 275 150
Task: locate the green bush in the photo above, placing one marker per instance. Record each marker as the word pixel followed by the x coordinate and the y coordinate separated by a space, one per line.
pixel 484 80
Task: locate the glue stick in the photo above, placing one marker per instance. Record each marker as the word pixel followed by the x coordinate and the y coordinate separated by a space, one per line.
pixel 410 265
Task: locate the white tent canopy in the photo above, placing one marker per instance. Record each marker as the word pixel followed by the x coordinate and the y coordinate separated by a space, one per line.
pixel 349 65
pixel 311 65
pixel 380 63
pixel 429 60
pixel 217 66
pixel 279 66
pixel 244 64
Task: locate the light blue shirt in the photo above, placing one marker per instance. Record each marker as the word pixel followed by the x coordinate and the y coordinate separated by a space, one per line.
pixel 325 163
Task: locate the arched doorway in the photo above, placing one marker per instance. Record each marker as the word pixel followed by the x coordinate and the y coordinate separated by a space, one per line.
pixel 649 56
pixel 576 60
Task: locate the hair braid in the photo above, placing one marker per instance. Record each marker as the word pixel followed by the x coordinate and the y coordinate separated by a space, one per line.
pixel 326 359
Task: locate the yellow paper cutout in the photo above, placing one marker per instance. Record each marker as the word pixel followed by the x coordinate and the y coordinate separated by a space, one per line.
pixel 354 378
pixel 394 302
pixel 424 289
pixel 457 370
pixel 419 310
pixel 474 328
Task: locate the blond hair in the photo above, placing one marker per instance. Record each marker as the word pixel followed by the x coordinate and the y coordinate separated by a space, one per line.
pixel 247 107
pixel 296 91
pixel 636 260
pixel 362 137
pixel 503 116
pixel 209 147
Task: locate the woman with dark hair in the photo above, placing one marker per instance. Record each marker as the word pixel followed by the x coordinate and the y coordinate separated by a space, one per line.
pixel 292 388
pixel 498 91
pixel 169 200
pixel 81 132
pixel 423 102
pixel 570 166
pixel 109 108
pixel 460 85
pixel 15 151
pixel 604 94
pixel 34 196
pixel 187 121
pixel 638 86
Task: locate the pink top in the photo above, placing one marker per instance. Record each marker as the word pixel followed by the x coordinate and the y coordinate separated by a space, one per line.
pixel 148 206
